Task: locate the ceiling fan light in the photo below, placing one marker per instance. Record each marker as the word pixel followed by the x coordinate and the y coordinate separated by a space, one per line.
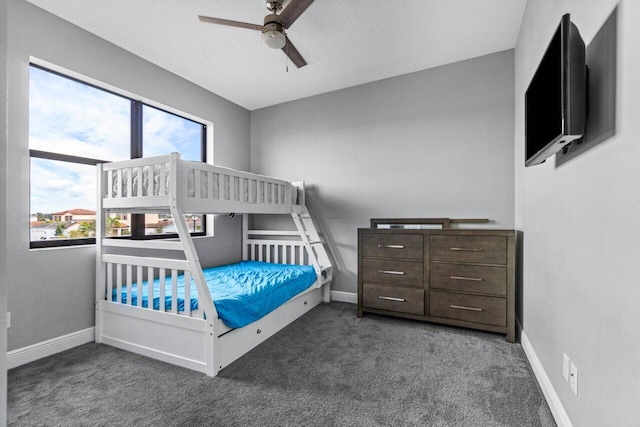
pixel 274 39
pixel 273 35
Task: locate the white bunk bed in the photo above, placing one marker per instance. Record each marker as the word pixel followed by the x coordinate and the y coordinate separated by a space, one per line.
pixel 198 340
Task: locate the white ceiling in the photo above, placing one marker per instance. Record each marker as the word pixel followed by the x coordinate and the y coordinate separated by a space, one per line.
pixel 345 42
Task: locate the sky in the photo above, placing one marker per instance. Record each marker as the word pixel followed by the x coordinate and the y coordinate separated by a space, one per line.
pixel 68 117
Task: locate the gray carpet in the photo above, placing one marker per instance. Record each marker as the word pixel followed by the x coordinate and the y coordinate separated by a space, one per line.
pixel 328 368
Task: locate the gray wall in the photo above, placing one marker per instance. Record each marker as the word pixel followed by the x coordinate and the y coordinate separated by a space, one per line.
pixel 436 143
pixel 51 291
pixel 3 213
pixel 580 226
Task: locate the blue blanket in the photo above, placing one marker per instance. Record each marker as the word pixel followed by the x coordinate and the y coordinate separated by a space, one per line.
pixel 242 292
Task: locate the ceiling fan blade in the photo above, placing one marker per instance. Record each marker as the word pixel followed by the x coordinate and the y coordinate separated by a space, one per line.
pixel 229 23
pixel 290 50
pixel 293 12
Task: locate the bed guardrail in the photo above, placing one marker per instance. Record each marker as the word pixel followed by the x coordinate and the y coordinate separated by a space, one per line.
pixel 277 251
pixel 283 247
pixel 209 182
pixel 130 281
pixel 147 183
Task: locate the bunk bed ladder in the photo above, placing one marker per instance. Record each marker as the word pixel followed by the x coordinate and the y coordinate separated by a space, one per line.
pixel 311 240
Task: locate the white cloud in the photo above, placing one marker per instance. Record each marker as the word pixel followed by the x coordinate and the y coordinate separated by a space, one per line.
pixel 166 133
pixel 57 186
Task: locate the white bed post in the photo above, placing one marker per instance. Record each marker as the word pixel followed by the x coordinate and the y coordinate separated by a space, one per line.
pixel 206 304
pixel 100 271
pixel 245 237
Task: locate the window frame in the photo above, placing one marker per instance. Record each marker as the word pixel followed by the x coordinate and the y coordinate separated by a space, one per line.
pixel 136 145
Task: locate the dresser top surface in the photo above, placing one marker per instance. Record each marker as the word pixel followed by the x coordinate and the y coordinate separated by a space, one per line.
pixel 441 231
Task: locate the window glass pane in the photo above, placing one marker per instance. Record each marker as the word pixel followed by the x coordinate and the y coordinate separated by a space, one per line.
pixel 164 224
pixel 165 133
pixel 158 224
pixel 69 117
pixel 117 224
pixel 63 200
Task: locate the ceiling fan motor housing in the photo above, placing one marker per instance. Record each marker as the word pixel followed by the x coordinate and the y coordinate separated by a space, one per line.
pixel 272 19
pixel 274 5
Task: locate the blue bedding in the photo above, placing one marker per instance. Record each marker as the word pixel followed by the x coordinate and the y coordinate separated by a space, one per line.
pixel 242 292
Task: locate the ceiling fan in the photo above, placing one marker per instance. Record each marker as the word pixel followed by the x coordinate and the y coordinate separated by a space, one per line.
pixel 274 29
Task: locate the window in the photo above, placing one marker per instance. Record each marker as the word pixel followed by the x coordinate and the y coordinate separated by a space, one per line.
pixel 72 127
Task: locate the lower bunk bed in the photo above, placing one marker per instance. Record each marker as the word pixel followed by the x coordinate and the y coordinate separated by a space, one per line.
pixel 181 334
pixel 242 292
pixel 154 298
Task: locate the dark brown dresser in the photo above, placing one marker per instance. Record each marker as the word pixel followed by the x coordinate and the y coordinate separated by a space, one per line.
pixel 455 276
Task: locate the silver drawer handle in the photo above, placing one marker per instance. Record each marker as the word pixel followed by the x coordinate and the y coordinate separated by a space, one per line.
pixel 462 307
pixel 468 249
pixel 391 246
pixel 391 298
pixel 399 273
pixel 473 279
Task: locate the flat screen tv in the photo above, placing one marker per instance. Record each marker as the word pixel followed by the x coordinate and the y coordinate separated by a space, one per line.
pixel 556 99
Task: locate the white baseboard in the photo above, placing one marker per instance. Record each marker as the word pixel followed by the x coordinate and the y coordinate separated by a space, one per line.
pixel 340 296
pixel 559 414
pixel 50 347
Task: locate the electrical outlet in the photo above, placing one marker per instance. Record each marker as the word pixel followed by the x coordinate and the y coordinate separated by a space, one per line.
pixel 565 367
pixel 8 320
pixel 573 379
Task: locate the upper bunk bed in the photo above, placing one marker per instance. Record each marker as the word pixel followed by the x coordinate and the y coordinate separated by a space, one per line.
pixel 157 183
pixel 153 297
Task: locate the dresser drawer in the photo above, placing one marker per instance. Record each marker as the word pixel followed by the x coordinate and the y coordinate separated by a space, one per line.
pixel 406 246
pixel 470 308
pixel 394 298
pixel 469 278
pixel 393 272
pixel 480 249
